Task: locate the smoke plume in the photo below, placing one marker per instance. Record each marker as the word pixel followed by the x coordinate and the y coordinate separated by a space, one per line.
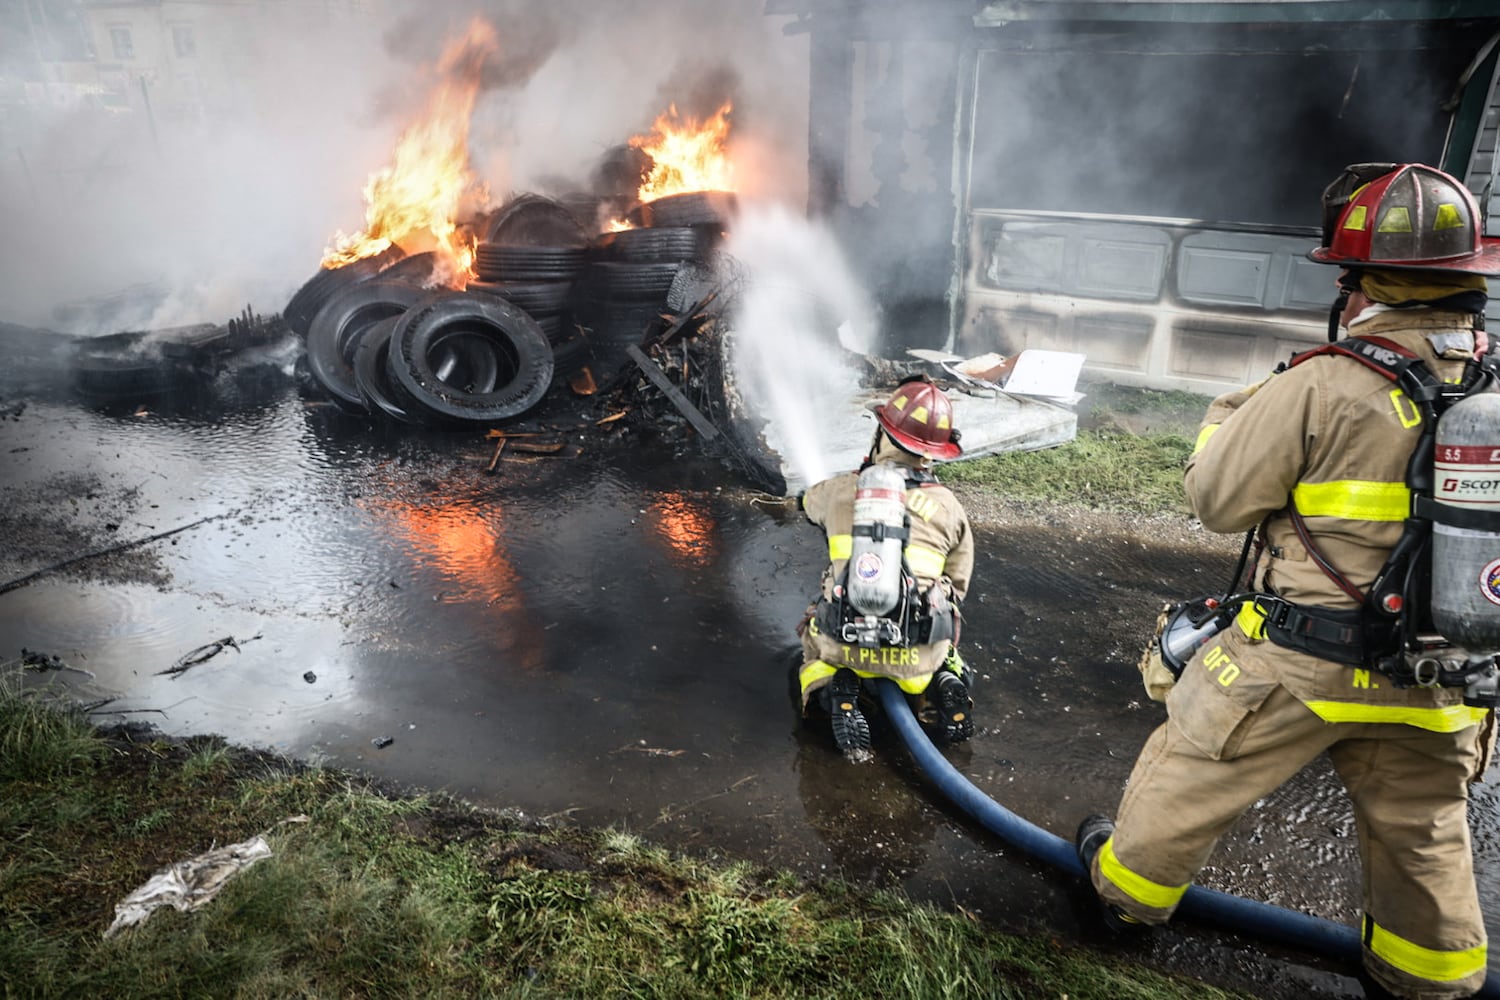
pixel 182 199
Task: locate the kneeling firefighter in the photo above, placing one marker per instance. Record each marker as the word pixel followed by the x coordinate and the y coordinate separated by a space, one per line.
pixel 900 555
pixel 1368 473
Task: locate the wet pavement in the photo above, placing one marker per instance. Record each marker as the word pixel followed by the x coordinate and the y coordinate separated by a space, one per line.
pixel 601 639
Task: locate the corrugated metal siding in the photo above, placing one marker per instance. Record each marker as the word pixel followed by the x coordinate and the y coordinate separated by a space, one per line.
pixel 1481 178
pixel 1481 175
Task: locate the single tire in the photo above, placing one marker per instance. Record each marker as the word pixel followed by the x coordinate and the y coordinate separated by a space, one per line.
pixel 417 269
pixel 466 363
pixel 692 208
pixel 370 374
pixel 569 353
pixel 669 244
pixel 628 282
pixel 499 262
pixel 533 220
pixel 317 290
pixel 116 376
pixel 539 298
pixel 448 322
pixel 334 337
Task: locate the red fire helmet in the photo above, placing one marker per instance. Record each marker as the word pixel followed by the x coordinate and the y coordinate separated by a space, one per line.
pixel 919 418
pixel 1414 218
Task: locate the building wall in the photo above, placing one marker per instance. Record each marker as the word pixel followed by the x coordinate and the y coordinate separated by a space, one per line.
pixel 1148 201
pixel 185 59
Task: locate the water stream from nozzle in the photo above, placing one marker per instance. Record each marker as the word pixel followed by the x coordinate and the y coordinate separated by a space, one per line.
pixel 799 322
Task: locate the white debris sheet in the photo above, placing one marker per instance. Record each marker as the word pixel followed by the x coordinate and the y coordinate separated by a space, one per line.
pixel 187 885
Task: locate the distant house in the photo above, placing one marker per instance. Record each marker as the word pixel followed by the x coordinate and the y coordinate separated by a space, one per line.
pixel 1134 180
pixel 177 59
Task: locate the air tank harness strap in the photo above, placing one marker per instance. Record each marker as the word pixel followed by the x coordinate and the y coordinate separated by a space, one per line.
pixel 1455 517
pixel 880 531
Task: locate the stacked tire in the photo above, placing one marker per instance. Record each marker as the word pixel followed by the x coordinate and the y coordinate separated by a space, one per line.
pixel 624 292
pixel 532 255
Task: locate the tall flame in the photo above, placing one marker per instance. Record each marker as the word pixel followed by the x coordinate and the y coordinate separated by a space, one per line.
pixel 687 154
pixel 415 200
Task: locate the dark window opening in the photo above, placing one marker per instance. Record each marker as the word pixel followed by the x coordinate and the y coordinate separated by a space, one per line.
pixel 121 44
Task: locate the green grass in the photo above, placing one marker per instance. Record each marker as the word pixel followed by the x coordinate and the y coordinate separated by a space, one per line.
pixel 1104 469
pixel 380 896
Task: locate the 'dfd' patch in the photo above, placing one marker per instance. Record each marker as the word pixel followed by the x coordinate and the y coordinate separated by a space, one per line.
pixel 868 566
pixel 1489 582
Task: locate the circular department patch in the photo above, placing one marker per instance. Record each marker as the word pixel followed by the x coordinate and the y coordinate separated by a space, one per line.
pixel 868 566
pixel 1489 581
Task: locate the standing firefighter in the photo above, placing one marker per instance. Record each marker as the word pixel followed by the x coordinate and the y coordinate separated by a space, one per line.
pixel 1333 649
pixel 900 557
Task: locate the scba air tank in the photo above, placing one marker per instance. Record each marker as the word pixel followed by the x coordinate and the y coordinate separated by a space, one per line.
pixel 874 586
pixel 1466 560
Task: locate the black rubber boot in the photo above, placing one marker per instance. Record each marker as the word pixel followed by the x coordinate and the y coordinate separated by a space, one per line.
pixel 1092 833
pixel 1373 990
pixel 953 707
pixel 851 733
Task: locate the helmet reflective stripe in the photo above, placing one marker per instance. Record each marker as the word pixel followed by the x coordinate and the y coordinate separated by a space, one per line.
pixel 1448 217
pixel 1397 220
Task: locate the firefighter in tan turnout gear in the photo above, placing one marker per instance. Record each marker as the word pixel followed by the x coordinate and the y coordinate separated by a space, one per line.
pixel 900 557
pixel 1313 662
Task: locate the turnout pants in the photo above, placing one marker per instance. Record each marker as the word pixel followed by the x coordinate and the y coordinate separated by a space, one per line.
pixel 1423 934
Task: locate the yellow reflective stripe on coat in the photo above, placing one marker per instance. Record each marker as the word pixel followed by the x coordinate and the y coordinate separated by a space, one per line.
pixel 1424 963
pixel 1137 887
pixel 1448 719
pixel 1203 435
pixel 925 562
pixel 1354 500
pixel 840 547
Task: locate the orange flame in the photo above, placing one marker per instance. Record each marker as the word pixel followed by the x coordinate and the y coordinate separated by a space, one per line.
pixel 414 201
pixel 686 154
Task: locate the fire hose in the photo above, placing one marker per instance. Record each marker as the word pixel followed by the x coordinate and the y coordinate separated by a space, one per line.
pixel 1272 923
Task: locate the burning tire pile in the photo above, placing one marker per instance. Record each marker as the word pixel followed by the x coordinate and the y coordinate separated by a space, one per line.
pixel 547 302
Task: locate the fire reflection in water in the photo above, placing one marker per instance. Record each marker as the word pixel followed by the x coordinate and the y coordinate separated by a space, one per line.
pixel 688 530
pixel 466 547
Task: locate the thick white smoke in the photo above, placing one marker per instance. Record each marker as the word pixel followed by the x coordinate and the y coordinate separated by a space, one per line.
pixel 200 215
pixel 798 324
